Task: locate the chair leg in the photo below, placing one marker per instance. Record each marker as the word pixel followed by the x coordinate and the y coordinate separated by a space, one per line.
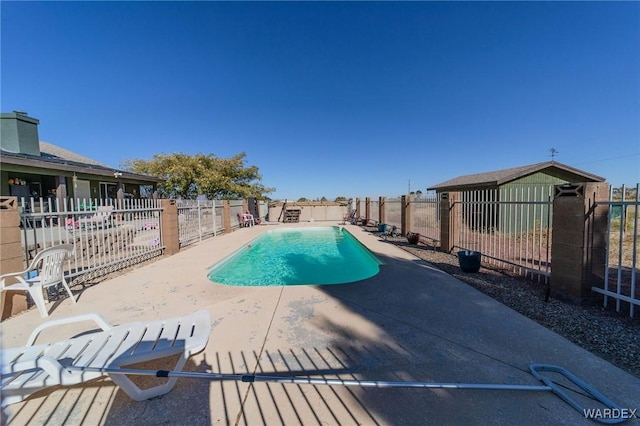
pixel 66 287
pixel 138 394
pixel 36 294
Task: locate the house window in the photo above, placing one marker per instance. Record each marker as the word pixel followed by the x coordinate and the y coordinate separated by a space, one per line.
pixel 108 190
pixel 82 189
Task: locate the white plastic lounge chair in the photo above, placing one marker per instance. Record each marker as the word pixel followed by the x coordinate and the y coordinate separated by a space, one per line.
pixel 31 368
pixel 99 219
pixel 49 267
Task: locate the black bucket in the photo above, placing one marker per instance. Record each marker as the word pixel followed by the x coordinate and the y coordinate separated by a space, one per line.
pixel 469 260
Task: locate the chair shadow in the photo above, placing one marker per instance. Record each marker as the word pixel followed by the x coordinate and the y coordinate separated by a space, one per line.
pixel 186 403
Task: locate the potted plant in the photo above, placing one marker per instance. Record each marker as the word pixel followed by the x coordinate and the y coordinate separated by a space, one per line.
pixel 413 237
pixel 469 260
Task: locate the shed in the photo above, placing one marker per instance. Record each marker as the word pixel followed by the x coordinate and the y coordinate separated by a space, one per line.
pixel 534 183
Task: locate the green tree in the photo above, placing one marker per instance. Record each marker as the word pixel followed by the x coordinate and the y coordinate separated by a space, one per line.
pixel 188 176
pixel 302 199
pixel 340 199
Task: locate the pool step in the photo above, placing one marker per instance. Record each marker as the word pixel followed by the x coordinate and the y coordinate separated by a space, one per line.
pixel 291 216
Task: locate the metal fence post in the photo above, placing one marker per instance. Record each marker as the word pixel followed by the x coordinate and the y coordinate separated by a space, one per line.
pixel 226 216
pixel 213 218
pixel 199 210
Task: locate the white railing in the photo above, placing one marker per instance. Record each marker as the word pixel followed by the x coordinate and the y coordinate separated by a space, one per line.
pixel 198 219
pixel 621 269
pixel 107 234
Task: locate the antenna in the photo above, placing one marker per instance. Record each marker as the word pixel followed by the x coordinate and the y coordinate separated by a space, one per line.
pixel 553 152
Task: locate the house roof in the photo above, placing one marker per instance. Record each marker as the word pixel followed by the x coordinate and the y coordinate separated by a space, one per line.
pixel 53 157
pixel 500 177
pixel 50 150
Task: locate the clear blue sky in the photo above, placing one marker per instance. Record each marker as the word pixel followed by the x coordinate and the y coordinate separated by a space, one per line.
pixel 334 98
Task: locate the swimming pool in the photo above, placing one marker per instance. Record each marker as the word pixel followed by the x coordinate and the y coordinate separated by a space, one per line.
pixel 298 256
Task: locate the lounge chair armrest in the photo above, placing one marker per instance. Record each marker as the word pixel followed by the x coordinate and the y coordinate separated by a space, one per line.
pixel 50 365
pixel 97 318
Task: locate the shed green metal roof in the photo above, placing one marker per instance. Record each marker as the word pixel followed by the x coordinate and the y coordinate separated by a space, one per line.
pixel 500 177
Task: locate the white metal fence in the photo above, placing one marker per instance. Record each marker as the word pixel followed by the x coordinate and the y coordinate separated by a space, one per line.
pixel 108 235
pixel 621 270
pixel 199 219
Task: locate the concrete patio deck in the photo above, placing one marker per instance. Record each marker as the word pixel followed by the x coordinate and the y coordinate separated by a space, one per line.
pixel 410 322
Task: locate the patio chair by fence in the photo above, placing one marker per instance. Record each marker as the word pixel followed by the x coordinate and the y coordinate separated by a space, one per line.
pixel 47 266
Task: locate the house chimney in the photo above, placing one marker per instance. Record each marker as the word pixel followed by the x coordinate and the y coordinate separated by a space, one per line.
pixel 19 133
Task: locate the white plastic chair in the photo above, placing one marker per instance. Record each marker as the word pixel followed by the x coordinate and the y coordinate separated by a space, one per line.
pixel 49 265
pixel 246 219
pixel 28 369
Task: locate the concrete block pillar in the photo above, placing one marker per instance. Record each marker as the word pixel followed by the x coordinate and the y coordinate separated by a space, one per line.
pixel 579 240
pixel 169 226
pixel 381 210
pixel 405 214
pixel 367 209
pixel 226 216
pixel 11 256
pixel 448 224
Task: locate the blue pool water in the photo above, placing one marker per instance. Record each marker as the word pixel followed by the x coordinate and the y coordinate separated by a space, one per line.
pixel 297 256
